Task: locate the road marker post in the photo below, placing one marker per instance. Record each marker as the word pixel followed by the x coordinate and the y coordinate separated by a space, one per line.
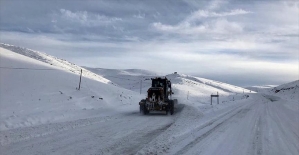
pixel 215 96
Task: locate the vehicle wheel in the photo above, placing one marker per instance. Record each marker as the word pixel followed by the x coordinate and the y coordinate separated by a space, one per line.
pixel 140 109
pixel 145 111
pixel 171 108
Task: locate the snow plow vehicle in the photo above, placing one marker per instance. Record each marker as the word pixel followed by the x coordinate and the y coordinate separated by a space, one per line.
pixel 158 97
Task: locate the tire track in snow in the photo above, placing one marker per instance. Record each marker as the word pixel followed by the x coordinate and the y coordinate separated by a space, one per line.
pixel 240 112
pixel 96 136
pixel 257 143
pixel 21 134
pixel 286 136
pixel 132 143
pixel 281 120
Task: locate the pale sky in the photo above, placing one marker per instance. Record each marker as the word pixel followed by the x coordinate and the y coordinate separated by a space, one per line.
pixel 235 41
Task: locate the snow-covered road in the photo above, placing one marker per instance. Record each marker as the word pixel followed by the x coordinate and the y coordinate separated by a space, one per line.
pixel 260 126
pixel 119 134
pixel 257 125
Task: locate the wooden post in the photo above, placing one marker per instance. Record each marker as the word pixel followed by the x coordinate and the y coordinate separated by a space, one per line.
pixel 140 86
pixel 80 80
pixel 217 98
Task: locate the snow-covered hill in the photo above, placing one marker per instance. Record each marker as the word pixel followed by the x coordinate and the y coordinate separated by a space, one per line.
pixel 122 72
pixel 288 91
pixel 33 92
pixel 40 88
pixel 43 57
pixel 260 88
pixel 127 78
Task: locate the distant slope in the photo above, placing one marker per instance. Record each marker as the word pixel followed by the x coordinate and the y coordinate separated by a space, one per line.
pixel 260 88
pixel 113 72
pixel 33 92
pixel 186 88
pixel 195 89
pixel 43 57
pixel 289 91
pixel 126 78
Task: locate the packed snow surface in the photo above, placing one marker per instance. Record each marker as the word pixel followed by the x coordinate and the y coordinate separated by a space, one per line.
pixel 42 112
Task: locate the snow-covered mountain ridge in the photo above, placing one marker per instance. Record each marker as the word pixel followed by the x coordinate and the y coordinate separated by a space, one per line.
pixel 49 59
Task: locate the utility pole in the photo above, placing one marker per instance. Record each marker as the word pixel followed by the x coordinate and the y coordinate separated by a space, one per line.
pixel 140 86
pixel 80 80
pixel 188 96
pixel 217 98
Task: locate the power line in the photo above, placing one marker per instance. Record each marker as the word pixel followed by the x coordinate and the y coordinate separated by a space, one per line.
pixel 26 68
